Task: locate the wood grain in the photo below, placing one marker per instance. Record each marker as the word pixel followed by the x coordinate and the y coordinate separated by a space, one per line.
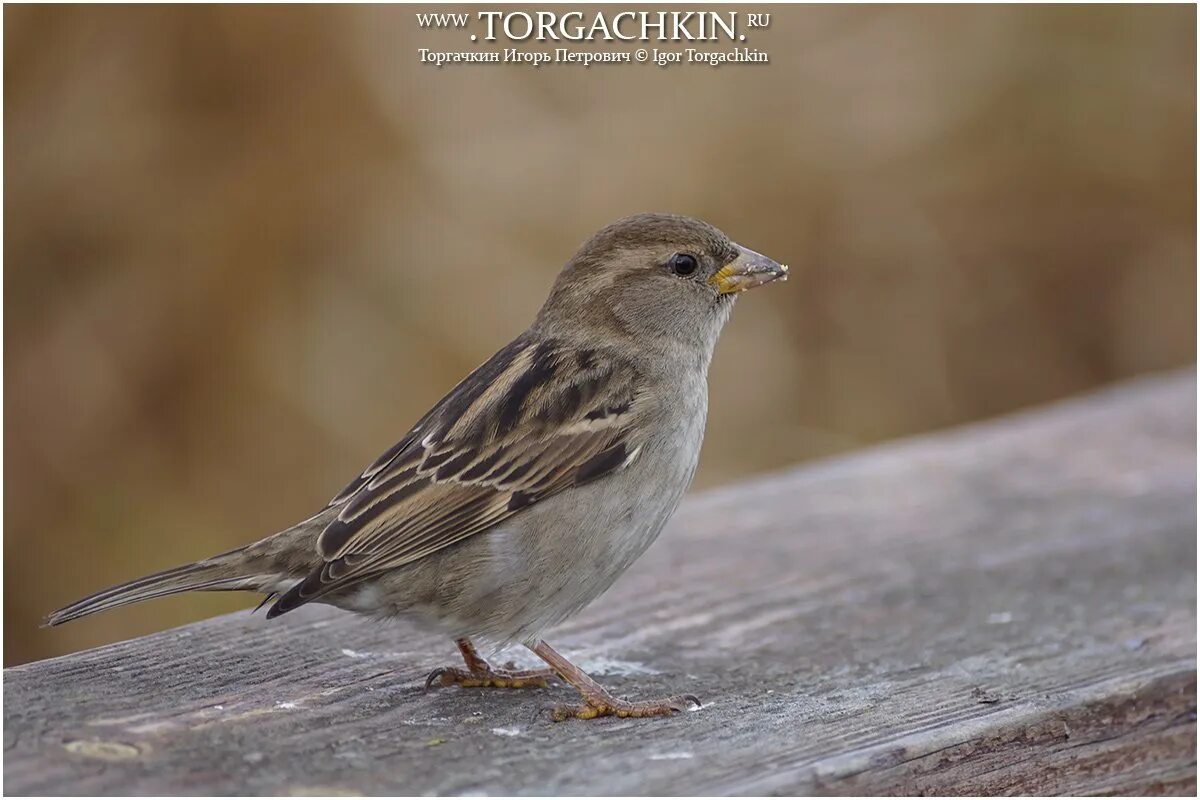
pixel 1004 608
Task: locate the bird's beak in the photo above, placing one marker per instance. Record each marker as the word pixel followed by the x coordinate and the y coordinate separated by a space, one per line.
pixel 748 270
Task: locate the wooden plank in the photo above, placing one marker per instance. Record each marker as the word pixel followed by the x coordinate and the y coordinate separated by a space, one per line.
pixel 1004 608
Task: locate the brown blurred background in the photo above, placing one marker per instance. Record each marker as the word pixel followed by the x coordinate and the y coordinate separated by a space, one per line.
pixel 246 247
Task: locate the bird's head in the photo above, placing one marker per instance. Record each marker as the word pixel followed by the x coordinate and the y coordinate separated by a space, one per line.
pixel 657 277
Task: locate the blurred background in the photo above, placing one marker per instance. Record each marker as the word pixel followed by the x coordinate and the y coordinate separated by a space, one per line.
pixel 246 247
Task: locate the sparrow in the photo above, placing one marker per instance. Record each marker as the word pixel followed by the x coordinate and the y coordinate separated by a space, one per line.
pixel 529 488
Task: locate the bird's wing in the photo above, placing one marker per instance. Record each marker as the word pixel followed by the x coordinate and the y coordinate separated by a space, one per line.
pixel 537 418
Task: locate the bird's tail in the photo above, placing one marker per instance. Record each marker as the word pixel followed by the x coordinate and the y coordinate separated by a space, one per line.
pixel 232 571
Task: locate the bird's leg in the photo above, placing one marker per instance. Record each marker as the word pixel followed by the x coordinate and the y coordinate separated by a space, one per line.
pixel 479 673
pixel 597 702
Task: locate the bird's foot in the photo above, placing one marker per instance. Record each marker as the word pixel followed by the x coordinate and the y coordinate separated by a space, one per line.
pixel 609 706
pixel 487 676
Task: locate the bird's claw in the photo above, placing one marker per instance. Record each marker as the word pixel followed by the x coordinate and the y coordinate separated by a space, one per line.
pixel 613 707
pixel 433 676
pixel 489 678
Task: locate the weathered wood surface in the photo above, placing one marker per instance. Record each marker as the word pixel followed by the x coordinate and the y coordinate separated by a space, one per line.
pixel 1005 608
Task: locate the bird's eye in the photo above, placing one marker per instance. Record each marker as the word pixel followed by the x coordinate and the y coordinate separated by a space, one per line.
pixel 683 263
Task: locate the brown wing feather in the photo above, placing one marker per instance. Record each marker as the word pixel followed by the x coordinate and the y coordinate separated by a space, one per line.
pixel 534 420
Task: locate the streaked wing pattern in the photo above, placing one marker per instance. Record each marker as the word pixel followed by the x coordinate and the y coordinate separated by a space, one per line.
pixel 537 418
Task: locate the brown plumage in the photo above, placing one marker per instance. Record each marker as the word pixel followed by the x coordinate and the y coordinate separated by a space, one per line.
pixel 506 437
pixel 536 481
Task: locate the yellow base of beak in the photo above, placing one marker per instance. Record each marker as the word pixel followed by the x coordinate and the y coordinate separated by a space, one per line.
pixel 748 270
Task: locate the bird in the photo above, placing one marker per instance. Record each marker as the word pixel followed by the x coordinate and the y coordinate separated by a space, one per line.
pixel 523 494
